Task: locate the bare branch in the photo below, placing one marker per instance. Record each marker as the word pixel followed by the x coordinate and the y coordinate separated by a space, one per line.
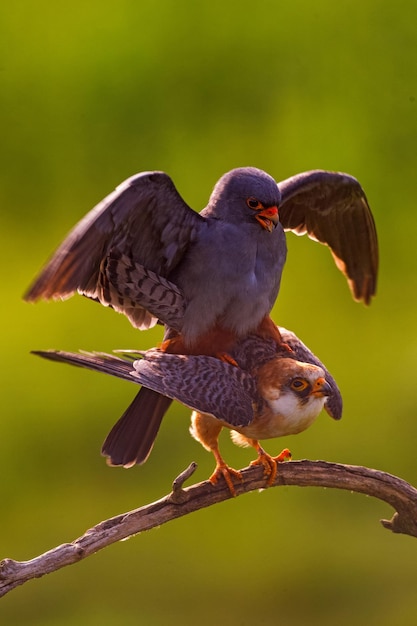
pixel 391 489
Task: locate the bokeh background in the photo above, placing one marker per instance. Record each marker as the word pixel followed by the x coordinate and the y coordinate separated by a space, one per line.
pixel 92 92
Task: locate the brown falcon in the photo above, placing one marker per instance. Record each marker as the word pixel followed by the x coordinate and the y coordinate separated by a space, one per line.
pixel 227 260
pixel 271 393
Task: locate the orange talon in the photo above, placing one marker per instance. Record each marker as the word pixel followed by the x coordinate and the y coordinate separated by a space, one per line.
pixel 268 329
pixel 223 470
pixel 283 456
pixel 226 358
pixel 269 465
pixel 269 462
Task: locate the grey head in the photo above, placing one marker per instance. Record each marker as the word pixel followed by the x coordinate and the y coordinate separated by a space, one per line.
pixel 244 195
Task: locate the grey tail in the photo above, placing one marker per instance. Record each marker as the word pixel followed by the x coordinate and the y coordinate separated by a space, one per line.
pixel 96 361
pixel 131 439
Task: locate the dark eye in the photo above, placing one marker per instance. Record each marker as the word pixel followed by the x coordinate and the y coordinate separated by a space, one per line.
pixel 253 203
pixel 299 384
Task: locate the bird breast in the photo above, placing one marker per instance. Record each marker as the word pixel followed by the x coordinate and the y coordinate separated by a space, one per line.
pixel 284 414
pixel 241 269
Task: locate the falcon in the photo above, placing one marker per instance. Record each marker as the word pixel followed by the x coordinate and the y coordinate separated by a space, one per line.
pixel 227 260
pixel 269 393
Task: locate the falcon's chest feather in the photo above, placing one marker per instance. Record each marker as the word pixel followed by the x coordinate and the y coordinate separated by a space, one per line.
pixel 230 275
pixel 285 414
pixel 236 256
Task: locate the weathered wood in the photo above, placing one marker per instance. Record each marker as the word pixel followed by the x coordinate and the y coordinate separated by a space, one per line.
pixel 391 489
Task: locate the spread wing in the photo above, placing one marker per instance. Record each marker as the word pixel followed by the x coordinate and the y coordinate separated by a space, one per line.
pixel 144 221
pixel 332 208
pixel 127 283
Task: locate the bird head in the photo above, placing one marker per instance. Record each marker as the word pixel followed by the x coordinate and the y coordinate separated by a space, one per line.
pixel 246 194
pixel 294 391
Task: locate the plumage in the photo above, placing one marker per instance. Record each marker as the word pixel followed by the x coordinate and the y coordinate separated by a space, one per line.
pixel 211 278
pixel 253 398
pixel 227 260
pixel 226 264
pixel 332 208
pixel 292 395
pixel 132 437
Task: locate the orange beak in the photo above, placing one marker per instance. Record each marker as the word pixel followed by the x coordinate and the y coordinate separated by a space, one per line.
pixel 268 218
pixel 321 388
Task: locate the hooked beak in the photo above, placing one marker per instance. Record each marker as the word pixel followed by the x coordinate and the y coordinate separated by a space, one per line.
pixel 268 218
pixel 321 388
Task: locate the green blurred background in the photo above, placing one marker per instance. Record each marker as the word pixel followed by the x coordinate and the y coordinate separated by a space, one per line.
pixel 92 92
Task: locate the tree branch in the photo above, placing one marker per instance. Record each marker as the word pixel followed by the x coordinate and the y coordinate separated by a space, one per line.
pixel 391 489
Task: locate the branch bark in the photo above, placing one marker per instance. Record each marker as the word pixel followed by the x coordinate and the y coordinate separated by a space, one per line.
pixel 391 489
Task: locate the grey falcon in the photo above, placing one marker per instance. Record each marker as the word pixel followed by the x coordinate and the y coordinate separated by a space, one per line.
pixel 227 260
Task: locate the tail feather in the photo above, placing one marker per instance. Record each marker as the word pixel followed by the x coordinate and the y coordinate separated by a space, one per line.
pixel 131 439
pixel 99 362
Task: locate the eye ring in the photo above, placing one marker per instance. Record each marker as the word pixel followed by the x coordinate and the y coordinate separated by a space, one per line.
pixel 299 384
pixel 254 204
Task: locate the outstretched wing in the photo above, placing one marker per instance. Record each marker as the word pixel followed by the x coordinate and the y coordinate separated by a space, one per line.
pixel 127 283
pixel 332 208
pixel 202 383
pixel 145 220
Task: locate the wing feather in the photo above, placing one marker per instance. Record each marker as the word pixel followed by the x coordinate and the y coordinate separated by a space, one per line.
pixel 144 219
pixel 332 208
pixel 202 383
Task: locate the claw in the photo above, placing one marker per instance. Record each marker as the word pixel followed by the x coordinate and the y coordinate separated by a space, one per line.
pixel 224 471
pixel 268 329
pixel 283 456
pixel 270 463
pixel 226 358
pixel 281 344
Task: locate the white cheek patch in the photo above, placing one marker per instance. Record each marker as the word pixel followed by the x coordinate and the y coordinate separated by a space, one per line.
pixel 284 404
pixel 294 414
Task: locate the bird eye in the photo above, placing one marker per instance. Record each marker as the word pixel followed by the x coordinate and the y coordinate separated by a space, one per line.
pixel 299 384
pixel 253 203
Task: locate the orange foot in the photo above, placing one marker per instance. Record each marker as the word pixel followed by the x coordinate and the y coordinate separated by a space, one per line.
pixel 267 329
pixel 226 358
pixel 224 471
pixel 270 463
